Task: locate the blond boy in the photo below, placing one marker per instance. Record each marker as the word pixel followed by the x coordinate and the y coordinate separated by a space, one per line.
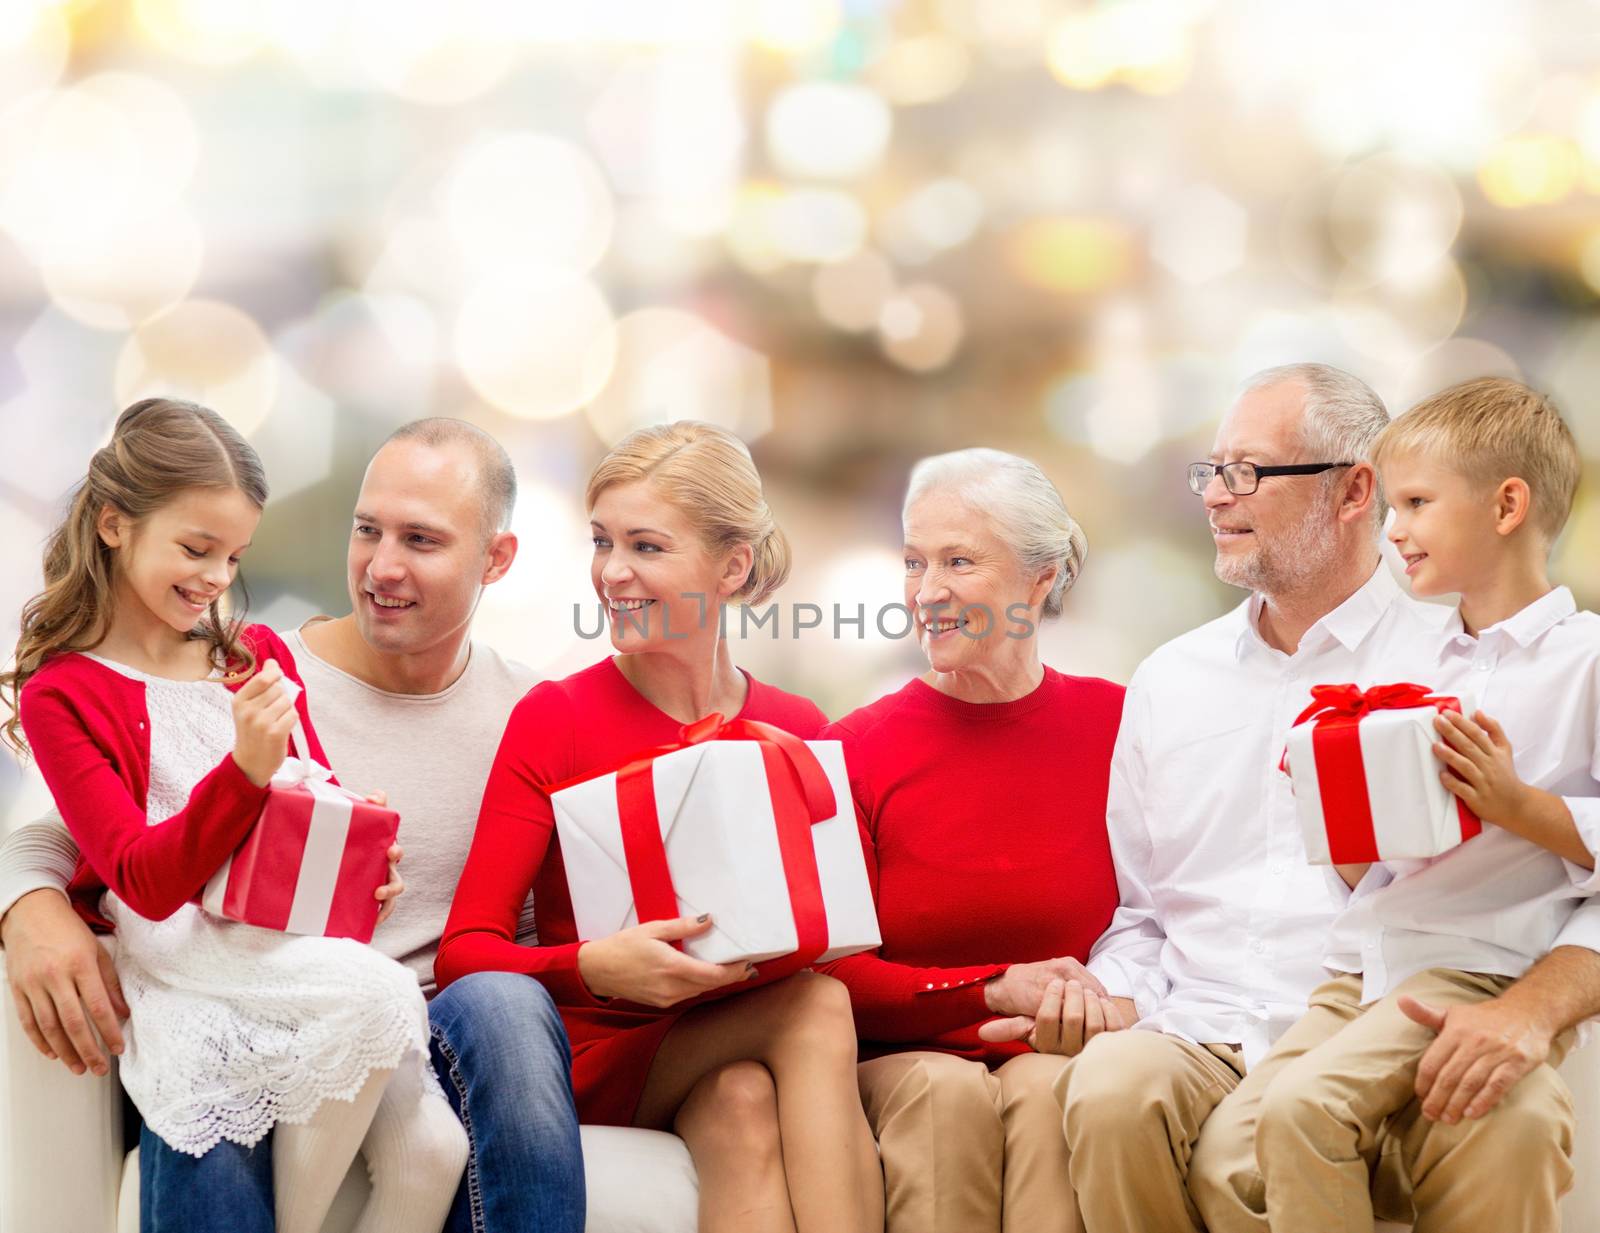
pixel 1481 478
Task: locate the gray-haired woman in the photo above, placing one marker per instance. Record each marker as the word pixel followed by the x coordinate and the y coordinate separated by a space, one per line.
pixel 980 788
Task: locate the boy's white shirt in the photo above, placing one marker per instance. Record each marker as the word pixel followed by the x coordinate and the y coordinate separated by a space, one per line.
pixel 431 753
pixel 1498 903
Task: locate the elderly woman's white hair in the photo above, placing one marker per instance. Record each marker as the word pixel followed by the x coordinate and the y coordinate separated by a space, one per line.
pixel 1029 512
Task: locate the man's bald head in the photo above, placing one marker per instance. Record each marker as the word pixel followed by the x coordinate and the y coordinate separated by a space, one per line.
pixel 496 478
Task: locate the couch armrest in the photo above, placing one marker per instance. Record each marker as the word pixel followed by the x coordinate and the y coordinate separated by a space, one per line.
pixel 60 1138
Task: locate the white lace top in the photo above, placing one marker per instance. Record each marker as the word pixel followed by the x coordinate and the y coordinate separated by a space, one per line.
pixel 235 1028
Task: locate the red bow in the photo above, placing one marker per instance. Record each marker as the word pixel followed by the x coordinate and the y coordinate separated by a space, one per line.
pixel 1353 701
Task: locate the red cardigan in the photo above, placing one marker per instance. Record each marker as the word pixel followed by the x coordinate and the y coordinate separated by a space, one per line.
pixel 89 731
pixel 984 827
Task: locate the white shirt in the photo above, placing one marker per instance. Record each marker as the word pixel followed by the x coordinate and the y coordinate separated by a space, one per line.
pixel 1497 903
pixel 1220 934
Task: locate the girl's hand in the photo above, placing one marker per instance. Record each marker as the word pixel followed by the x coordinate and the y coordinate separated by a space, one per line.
pixel 263 717
pixel 639 964
pixel 1479 767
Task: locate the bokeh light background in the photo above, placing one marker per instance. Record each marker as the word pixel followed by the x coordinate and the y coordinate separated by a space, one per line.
pixel 855 231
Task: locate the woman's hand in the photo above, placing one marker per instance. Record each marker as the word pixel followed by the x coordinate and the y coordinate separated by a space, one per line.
pixel 1070 1016
pixel 1020 988
pixel 639 964
pixel 263 717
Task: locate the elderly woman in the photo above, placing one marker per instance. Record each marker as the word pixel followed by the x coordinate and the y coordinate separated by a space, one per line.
pixel 981 788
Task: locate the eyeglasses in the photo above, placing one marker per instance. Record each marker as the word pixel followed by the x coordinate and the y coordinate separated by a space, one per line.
pixel 1243 478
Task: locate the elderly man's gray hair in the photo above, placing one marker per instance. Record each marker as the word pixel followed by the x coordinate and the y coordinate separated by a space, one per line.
pixel 1031 516
pixel 1343 415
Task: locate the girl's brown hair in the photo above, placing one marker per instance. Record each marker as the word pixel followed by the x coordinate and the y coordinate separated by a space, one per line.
pixel 159 448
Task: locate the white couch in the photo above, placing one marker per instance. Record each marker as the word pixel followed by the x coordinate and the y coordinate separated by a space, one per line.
pixel 64 1168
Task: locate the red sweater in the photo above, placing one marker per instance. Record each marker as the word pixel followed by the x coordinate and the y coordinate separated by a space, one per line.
pixel 985 833
pixel 561 729
pixel 89 731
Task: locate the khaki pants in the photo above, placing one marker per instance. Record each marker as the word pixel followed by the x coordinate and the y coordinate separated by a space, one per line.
pixel 1133 1103
pixel 1338 1133
pixel 966 1149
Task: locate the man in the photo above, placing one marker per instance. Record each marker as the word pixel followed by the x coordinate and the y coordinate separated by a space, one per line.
pixel 1222 924
pixel 405 701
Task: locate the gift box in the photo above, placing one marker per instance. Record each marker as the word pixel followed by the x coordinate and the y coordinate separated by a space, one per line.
pixel 1366 781
pixel 313 859
pixel 737 819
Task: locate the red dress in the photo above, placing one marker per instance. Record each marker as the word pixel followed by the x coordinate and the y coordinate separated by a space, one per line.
pixel 588 722
pixel 984 826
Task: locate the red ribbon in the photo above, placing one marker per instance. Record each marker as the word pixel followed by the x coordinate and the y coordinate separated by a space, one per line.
pixel 801 797
pixel 1341 774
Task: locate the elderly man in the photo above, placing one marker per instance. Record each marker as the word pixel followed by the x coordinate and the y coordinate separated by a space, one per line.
pixel 1220 932
pixel 405 701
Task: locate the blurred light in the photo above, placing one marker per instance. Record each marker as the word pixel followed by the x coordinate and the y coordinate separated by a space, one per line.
pixel 751 235
pixel 145 261
pixel 528 613
pixel 1143 43
pixel 1397 320
pixel 373 354
pixel 1200 234
pixel 827 130
pixel 524 198
pixel 536 348
pixel 409 261
pixel 74 162
pixel 1016 26
pixel 921 69
pixel 1078 256
pixel 1537 169
pixel 429 52
pixel 920 327
pixel 850 294
pixel 941 215
pixel 205 351
pixel 34 45
pixel 1451 362
pixel 1394 217
pixel 671 365
pixel 791 25
pixel 873 578
pixel 211 32
pixel 295 443
pixel 672 128
pixel 816 224
pixel 1589 260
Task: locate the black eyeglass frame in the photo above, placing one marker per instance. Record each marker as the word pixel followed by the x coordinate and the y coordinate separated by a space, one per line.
pixel 1227 469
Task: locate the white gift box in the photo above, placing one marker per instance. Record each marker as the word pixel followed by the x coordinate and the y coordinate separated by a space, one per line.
pixel 1367 787
pixel 718 826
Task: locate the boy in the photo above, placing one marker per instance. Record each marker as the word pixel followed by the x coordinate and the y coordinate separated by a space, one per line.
pixel 1481 478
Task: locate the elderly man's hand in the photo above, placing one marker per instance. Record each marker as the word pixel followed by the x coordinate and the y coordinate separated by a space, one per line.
pixel 1481 1052
pixel 1070 1016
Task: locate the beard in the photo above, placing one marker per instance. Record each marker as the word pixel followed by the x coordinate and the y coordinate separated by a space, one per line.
pixel 1289 560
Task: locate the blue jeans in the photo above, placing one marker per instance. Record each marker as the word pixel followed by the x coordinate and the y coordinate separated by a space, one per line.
pixel 501 1054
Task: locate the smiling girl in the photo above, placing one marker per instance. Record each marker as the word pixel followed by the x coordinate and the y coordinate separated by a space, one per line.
pixel 158 723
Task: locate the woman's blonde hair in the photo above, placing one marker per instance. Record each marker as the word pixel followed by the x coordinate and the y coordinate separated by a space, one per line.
pixel 707 473
pixel 159 448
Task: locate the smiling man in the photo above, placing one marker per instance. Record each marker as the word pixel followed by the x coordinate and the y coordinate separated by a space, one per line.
pixel 406 701
pixel 1221 930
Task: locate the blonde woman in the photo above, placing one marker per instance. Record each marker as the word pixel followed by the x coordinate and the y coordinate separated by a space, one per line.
pixel 760 1083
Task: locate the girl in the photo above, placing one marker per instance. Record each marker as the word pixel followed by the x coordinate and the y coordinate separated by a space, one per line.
pixel 761 1085
pixel 157 725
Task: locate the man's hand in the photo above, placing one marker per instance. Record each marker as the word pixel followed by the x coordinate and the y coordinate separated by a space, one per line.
pixel 1070 1016
pixel 1481 1052
pixel 1021 987
pixel 62 981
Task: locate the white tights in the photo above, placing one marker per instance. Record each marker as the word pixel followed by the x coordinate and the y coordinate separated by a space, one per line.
pixel 414 1147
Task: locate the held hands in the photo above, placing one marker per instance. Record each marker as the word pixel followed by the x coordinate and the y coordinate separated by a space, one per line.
pixel 63 983
pixel 1070 1016
pixel 1478 766
pixel 1021 987
pixel 263 717
pixel 640 965
pixel 1482 1050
